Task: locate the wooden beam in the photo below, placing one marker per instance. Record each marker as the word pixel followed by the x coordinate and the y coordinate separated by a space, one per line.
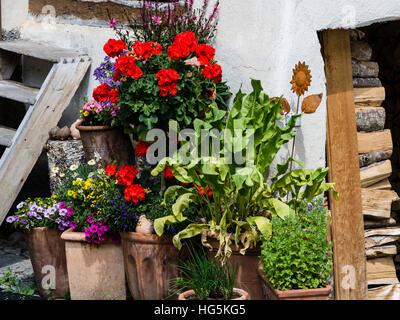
pixel 18 92
pixel 347 218
pixel 369 142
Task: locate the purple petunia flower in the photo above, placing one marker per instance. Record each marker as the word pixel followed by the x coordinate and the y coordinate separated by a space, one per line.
pixel 61 205
pixel 10 219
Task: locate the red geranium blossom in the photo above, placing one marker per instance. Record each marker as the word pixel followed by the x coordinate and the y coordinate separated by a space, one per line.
pixel 114 47
pixel 110 170
pixel 141 148
pixel 144 50
pixel 167 79
pixel 213 72
pixel 102 92
pixel 204 54
pixel 126 65
pixel 114 95
pixel 184 43
pixel 126 175
pixel 168 173
pixel 134 193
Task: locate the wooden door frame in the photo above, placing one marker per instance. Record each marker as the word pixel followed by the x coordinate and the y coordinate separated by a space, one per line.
pixel 342 153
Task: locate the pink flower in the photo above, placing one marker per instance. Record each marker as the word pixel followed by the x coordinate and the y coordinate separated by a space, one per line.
pixel 70 211
pixel 112 23
pixel 157 20
pixel 72 225
pixel 61 205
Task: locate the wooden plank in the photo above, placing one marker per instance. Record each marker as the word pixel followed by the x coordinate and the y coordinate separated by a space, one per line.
pixel 54 96
pixel 369 97
pixel 374 141
pixel 381 271
pixel 6 136
pixel 18 92
pixel 381 185
pixel 347 218
pixel 375 173
pixel 40 50
pixel 378 203
pixel 389 292
pixel 370 118
pixel 381 251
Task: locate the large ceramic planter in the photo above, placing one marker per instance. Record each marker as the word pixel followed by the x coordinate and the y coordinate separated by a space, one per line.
pixel 247 277
pixel 95 272
pixel 239 293
pixel 47 254
pixel 271 293
pixel 150 264
pixel 109 142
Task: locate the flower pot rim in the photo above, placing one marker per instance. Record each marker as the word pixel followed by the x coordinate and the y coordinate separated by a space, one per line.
pixel 94 128
pixel 75 236
pixel 294 292
pixel 244 294
pixel 145 238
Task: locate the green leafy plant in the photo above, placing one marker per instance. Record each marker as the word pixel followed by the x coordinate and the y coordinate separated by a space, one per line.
pixel 14 285
pixel 297 255
pixel 206 277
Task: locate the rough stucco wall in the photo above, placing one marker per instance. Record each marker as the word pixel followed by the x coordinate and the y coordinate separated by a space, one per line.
pixel 256 39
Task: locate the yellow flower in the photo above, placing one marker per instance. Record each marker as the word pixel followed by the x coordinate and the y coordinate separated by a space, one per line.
pixel 86 113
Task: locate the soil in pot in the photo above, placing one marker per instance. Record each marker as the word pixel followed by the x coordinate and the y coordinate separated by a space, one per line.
pixel 109 142
pixel 149 264
pixel 95 272
pixel 247 277
pixel 271 293
pixel 47 254
pixel 238 294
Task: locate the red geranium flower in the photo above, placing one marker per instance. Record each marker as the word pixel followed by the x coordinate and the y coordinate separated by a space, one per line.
pixel 141 148
pixel 102 92
pixel 126 175
pixel 134 193
pixel 204 54
pixel 114 95
pixel 144 50
pixel 213 72
pixel 126 65
pixel 168 173
pixel 167 79
pixel 114 47
pixel 184 43
pixel 110 170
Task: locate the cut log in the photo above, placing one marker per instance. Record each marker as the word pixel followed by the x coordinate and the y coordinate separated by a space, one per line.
pixel 381 185
pixel 370 118
pixel 367 159
pixel 379 223
pixel 378 203
pixel 374 141
pixel 361 50
pixel 381 236
pixel 366 82
pixel 381 271
pixel 365 69
pixel 356 34
pixel 375 173
pixel 389 292
pixel 369 97
pixel 382 251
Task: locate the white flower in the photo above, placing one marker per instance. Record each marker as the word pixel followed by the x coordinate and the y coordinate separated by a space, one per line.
pixel 101 171
pixel 55 170
pixel 53 175
pixel 97 156
pixel 62 175
pixel 73 167
pixel 91 162
pixel 79 179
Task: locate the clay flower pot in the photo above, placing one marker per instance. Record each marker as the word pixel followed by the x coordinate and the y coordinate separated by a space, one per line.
pixel 47 251
pixel 239 294
pixel 247 277
pixel 272 293
pixel 109 142
pixel 95 272
pixel 149 264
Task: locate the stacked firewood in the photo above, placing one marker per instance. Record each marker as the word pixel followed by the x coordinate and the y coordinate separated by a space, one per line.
pixel 375 149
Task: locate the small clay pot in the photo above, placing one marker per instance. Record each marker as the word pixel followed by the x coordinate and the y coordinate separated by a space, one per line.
pixel 144 225
pixel 241 295
pixel 109 142
pixel 47 251
pixel 271 293
pixel 95 272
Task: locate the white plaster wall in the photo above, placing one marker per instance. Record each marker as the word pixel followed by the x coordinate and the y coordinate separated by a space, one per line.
pixel 261 39
pixel 14 13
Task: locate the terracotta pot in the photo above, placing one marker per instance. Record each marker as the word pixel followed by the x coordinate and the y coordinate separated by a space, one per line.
pixel 247 277
pixel 95 272
pixel 149 264
pixel 111 143
pixel 47 250
pixel 243 295
pixel 272 293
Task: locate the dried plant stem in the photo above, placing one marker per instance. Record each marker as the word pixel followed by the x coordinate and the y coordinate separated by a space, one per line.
pixel 294 139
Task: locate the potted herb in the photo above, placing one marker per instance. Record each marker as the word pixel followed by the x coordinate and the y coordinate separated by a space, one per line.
pixel 296 258
pixel 93 248
pixel 43 220
pixel 149 259
pixel 202 278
